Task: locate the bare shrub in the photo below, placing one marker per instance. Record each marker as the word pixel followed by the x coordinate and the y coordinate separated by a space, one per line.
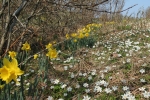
pixel 41 21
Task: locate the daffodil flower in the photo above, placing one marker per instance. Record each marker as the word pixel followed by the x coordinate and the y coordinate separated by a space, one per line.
pixel 26 47
pixel 12 54
pixel 49 46
pixel 1 86
pixel 81 35
pixel 73 35
pixel 67 36
pixel 75 40
pixel 35 56
pixel 52 53
pixel 10 70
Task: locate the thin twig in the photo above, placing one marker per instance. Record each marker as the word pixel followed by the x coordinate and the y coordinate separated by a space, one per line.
pixel 19 21
pixel 110 11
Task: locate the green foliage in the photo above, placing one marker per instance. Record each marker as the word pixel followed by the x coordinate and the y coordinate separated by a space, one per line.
pixel 107 76
pixel 7 93
pixel 106 97
pixel 46 69
pixel 72 46
pixel 113 60
pixel 128 66
pixel 33 87
pixel 147 78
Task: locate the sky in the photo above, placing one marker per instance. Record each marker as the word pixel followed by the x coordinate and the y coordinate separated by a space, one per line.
pixel 142 5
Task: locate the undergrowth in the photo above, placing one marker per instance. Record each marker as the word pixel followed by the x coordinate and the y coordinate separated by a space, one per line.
pixel 90 64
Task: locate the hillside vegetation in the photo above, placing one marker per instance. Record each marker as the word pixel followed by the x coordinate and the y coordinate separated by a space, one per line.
pixel 57 57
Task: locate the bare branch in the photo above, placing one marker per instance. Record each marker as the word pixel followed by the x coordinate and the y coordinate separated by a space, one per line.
pixel 5 4
pixel 19 22
pixel 11 23
pixel 110 11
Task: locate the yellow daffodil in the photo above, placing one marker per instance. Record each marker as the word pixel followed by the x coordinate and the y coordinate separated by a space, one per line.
pixel 67 36
pixel 52 53
pixel 4 73
pixel 1 86
pixel 81 35
pixel 10 70
pixel 75 40
pixel 86 34
pixel 73 35
pixel 12 54
pixel 26 47
pixel 35 56
pixel 49 46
